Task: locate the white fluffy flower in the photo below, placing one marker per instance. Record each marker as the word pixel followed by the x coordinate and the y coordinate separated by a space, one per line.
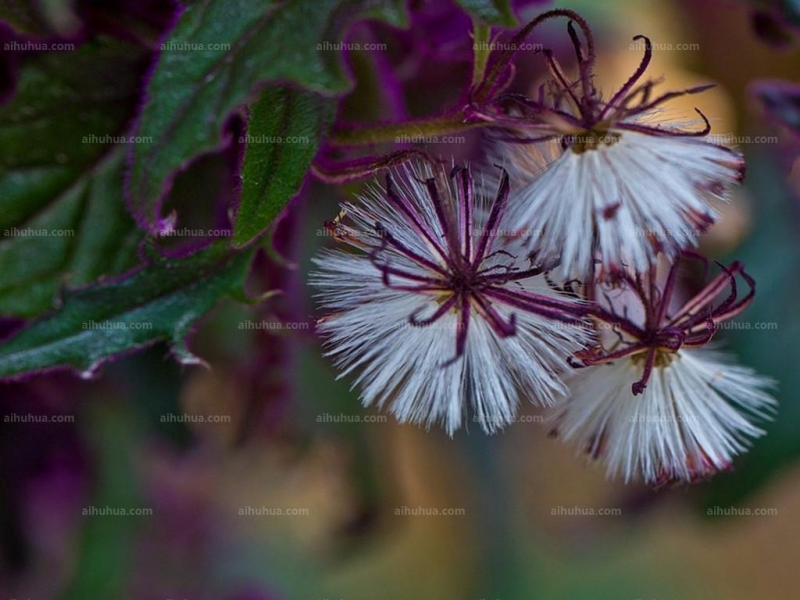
pixel 434 313
pixel 621 201
pixel 653 401
pixel 606 179
pixel 693 417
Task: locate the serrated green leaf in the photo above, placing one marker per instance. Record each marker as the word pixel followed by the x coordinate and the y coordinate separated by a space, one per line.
pixel 161 301
pixel 83 234
pixel 282 137
pixel 66 113
pixel 491 12
pixel 195 88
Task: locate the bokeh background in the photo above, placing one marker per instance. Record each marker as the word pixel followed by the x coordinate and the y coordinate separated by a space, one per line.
pixel 262 477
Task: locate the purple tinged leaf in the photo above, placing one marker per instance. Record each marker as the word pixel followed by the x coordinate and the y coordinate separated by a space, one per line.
pixel 283 134
pixel 58 172
pixel 212 62
pixel 161 300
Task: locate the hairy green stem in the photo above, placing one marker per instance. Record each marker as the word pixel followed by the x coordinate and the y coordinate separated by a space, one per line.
pixel 422 130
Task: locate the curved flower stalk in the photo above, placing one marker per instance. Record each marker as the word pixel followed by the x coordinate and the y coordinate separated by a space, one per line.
pixel 604 179
pixel 434 307
pixel 653 402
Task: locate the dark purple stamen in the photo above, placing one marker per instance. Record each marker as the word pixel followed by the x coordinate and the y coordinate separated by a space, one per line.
pixel 494 79
pixel 591 114
pixel 623 91
pixel 460 275
pixel 693 325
